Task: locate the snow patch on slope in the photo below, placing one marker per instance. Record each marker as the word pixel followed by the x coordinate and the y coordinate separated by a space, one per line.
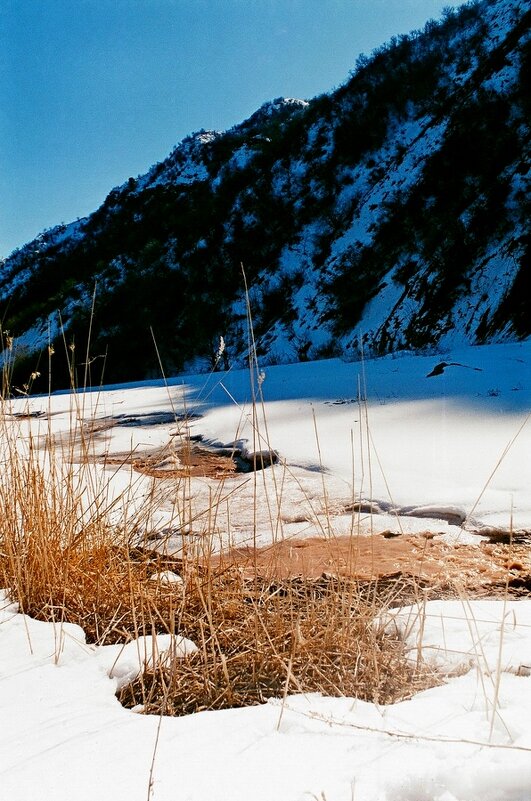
pixel 32 341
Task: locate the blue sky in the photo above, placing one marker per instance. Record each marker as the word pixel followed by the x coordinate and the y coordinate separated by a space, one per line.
pixel 94 91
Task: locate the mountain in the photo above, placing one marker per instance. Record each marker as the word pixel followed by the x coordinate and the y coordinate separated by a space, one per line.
pixel 390 213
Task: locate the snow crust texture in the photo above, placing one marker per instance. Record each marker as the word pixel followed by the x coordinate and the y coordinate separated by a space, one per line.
pixel 66 735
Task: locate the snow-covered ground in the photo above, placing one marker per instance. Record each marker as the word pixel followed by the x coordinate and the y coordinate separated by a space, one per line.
pixel 454 443
pixel 65 735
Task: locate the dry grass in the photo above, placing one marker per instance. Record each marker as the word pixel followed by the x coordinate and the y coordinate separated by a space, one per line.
pixel 259 639
pixel 64 560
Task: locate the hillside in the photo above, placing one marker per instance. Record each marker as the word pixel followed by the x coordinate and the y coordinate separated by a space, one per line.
pixel 393 210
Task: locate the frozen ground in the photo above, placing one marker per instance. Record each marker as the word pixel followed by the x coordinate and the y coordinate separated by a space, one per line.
pixel 456 442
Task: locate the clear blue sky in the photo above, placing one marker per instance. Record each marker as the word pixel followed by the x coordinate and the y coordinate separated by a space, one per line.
pixel 93 91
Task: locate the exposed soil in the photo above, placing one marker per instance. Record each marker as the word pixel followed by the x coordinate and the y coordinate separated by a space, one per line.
pixel 181 462
pixel 187 457
pixel 480 569
pixel 179 459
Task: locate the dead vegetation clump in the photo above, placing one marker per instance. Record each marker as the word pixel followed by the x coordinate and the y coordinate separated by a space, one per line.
pixel 257 637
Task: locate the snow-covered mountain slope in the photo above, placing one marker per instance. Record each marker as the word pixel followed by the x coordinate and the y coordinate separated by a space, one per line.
pixel 392 213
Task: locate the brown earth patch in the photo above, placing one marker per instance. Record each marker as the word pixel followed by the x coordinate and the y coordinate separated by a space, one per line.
pixel 188 460
pixel 481 569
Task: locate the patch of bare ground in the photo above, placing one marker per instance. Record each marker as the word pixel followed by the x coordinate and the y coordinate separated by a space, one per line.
pixel 258 638
pixel 177 461
pixel 480 569
pixel 300 617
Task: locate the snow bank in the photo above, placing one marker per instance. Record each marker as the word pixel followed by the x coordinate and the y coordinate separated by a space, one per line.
pixel 66 736
pixel 125 662
pixel 454 635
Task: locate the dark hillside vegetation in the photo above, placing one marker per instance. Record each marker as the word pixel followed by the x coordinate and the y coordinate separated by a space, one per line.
pixel 395 208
